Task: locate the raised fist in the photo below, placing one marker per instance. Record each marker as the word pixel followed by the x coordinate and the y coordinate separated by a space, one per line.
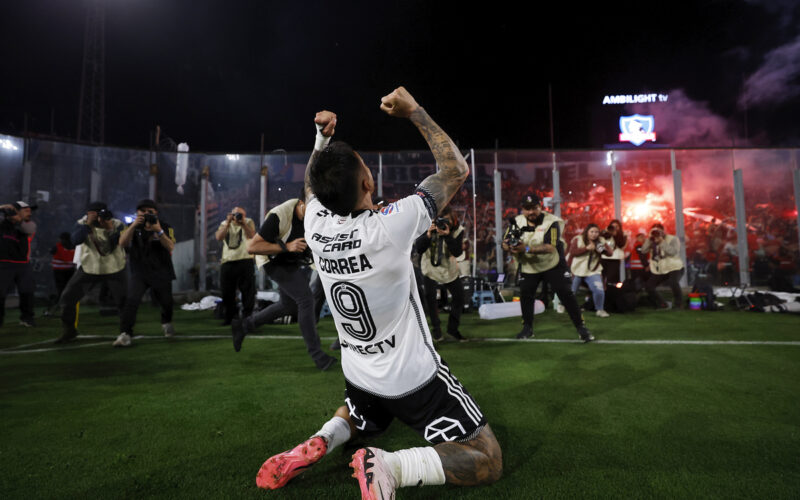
pixel 399 103
pixel 327 119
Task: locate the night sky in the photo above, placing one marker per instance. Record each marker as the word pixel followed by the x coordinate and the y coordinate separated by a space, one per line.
pixel 216 74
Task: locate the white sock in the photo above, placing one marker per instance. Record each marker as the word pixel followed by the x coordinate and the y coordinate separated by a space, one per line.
pixel 336 431
pixel 416 466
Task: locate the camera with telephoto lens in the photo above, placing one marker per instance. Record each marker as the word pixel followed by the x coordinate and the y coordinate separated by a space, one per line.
pixel 442 223
pixel 103 215
pixel 150 219
pixel 238 216
pixel 514 234
pixel 656 233
pixel 600 246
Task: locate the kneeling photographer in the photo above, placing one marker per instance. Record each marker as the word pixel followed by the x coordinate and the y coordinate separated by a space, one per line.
pixel 665 265
pixel 150 242
pixel 102 261
pixel 439 248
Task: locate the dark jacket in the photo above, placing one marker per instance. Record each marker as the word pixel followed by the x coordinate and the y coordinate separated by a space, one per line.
pixel 15 245
pixel 148 257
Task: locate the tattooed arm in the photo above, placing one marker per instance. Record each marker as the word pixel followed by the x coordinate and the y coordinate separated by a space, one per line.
pixel 478 461
pixel 453 169
pixel 326 125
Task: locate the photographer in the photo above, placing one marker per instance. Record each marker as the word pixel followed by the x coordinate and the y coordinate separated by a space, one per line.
pixel 439 248
pixel 150 242
pixel 236 270
pixel 586 251
pixel 16 232
pixel 616 240
pixel 62 262
pixel 102 261
pixel 281 238
pixel 534 238
pixel 639 262
pixel 665 265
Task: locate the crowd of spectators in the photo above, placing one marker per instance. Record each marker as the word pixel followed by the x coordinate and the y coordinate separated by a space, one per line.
pixel 711 238
pixel 712 252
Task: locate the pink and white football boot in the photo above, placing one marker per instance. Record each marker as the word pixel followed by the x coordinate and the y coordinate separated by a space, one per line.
pixel 283 467
pixel 374 477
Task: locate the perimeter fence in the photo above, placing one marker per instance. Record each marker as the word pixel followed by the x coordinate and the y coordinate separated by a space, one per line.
pixel 734 210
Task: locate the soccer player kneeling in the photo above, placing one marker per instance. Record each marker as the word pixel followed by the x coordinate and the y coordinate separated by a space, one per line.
pixel 391 367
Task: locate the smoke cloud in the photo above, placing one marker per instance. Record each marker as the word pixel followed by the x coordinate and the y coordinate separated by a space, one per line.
pixel 777 80
pixel 684 122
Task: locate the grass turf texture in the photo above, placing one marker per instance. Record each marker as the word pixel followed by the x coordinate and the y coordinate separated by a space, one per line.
pixel 192 419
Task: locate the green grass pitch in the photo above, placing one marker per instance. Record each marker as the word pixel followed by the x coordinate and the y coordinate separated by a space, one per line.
pixel 190 418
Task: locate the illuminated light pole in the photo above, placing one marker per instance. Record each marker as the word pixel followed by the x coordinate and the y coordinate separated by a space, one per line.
pixel 91 108
pixel 680 230
pixel 262 203
pixel 203 240
pixel 741 224
pixel 616 189
pixel 498 216
pixel 474 217
pixel 556 187
pixel 380 175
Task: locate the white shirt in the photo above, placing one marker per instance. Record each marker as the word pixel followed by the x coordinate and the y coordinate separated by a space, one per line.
pixel 364 263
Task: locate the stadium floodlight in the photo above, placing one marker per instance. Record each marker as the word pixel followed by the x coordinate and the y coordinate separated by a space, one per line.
pixel 233 157
pixel 7 144
pixel 610 158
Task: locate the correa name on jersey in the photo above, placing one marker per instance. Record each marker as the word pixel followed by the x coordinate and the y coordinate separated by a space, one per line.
pixel 349 265
pixel 377 348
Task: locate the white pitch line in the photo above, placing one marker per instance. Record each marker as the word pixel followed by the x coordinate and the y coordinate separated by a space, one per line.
pixel 21 348
pixel 654 342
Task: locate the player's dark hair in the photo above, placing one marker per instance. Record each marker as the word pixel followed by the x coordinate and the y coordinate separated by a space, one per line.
pixel 335 176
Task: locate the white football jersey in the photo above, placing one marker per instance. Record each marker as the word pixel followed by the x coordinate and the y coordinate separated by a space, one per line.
pixel 364 262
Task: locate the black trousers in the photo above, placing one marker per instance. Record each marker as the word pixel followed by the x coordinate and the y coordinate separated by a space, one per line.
pixel 318 291
pixel 559 279
pixel 610 271
pixel 296 296
pixel 21 276
pixel 162 291
pixel 673 279
pixel 62 277
pixel 456 290
pixel 639 277
pixel 238 274
pixel 82 282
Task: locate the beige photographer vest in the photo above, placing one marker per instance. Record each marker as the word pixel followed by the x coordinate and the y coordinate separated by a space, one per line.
pixel 285 213
pixel 97 256
pixel 540 262
pixel 447 270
